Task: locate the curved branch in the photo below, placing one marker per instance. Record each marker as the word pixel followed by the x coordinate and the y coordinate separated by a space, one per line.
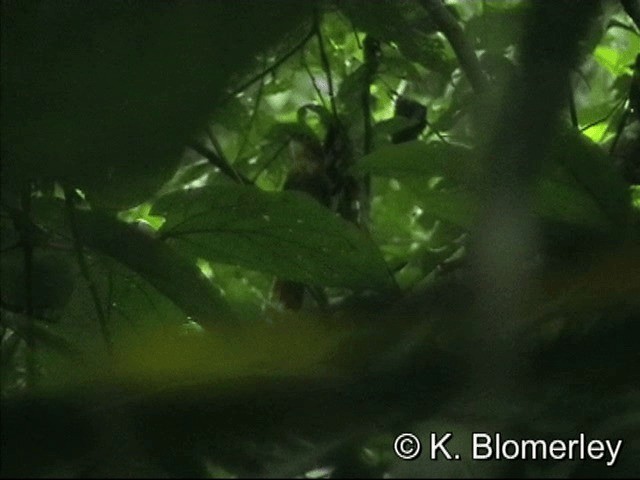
pixel 452 31
pixel 273 67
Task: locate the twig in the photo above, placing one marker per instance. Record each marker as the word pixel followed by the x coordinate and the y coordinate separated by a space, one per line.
pixel 222 156
pixel 371 51
pixel 371 66
pixel 254 113
pixel 273 67
pixel 436 132
pixel 84 267
pixel 313 81
pixel 109 301
pixel 325 65
pixel 355 34
pixel 215 160
pixel 605 118
pixel 268 163
pixel 27 249
pixel 619 130
pixel 572 105
pixel 452 31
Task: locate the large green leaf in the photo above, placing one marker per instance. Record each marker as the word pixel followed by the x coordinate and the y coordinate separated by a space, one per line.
pixel 594 195
pixel 282 233
pixel 458 207
pixel 417 158
pixel 553 201
pixel 174 276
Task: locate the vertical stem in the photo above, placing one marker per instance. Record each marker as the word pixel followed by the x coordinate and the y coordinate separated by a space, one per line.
pixel 452 31
pixel 371 51
pixel 313 80
pixel 27 249
pixel 84 268
pixel 619 130
pixel 325 66
pixel 572 105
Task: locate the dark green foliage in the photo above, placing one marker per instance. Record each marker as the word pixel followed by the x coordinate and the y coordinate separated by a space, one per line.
pixel 250 238
pixel 104 96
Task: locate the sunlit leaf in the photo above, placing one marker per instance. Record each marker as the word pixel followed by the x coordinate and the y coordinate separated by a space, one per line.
pixel 610 59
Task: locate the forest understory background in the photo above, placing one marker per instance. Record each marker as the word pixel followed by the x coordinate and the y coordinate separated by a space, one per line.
pixel 264 238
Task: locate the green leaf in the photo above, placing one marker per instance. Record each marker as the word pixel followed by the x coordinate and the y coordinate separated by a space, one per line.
pixel 174 276
pixel 282 233
pixel 610 58
pixel 560 202
pixel 553 201
pixel 417 158
pixel 458 207
pixel 595 172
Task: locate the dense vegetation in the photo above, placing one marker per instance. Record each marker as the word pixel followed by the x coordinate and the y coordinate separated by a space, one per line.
pixel 265 238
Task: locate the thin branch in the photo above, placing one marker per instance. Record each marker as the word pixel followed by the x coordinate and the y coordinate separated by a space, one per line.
pixel 313 81
pixel 215 160
pixel 27 249
pixel 109 301
pixel 355 34
pixel 254 114
pixel 619 130
pixel 371 53
pixel 436 132
pixel 572 105
pixel 84 267
pixel 273 67
pixel 222 156
pixel 325 65
pixel 606 117
pixel 371 63
pixel 268 163
pixel 452 31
